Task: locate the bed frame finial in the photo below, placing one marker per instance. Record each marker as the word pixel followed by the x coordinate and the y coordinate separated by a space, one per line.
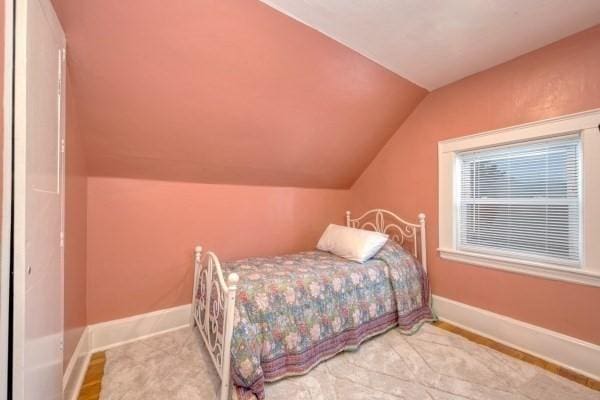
pixel 348 218
pixel 232 281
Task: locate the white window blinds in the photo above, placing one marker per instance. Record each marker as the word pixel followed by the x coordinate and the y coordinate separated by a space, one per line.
pixel 522 201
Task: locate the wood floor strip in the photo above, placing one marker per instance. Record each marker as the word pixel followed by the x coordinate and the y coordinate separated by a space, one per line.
pixel 528 358
pixel 92 384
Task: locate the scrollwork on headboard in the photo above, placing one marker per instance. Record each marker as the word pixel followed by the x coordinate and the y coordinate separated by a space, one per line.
pixel 409 235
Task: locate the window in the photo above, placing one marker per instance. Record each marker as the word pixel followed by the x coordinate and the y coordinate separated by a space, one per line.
pixel 524 199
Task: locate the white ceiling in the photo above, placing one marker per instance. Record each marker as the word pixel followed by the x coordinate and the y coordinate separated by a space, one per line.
pixel 435 42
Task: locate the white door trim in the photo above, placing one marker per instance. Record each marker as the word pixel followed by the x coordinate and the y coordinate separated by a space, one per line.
pixel 22 30
pixel 6 194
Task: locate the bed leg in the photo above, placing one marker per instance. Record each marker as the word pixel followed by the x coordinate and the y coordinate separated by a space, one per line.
pixel 197 266
pixel 232 281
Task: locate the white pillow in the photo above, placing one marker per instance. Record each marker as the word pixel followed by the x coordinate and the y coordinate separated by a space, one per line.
pixel 351 243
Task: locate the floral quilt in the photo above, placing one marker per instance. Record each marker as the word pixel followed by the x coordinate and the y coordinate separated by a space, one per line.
pixel 296 310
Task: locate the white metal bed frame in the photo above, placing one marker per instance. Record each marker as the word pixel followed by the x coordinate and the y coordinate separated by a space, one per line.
pixel 213 301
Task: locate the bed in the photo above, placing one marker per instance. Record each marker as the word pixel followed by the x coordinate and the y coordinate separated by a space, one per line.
pixel 266 318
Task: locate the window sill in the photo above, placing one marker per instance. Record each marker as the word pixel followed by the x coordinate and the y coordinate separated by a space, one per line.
pixel 533 268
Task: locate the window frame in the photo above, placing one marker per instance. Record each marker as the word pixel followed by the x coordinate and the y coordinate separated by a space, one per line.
pixel 586 125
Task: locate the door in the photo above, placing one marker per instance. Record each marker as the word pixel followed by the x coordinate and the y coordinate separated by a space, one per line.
pixel 39 185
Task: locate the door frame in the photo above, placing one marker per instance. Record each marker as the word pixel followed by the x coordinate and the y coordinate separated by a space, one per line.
pixel 19 187
pixel 7 179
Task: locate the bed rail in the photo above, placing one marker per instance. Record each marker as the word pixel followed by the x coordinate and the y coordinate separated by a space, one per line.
pixel 213 306
pixel 410 235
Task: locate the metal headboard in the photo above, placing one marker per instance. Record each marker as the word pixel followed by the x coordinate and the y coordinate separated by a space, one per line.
pixel 410 235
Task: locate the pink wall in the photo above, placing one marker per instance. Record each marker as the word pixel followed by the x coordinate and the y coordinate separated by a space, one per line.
pixel 75 296
pixel 559 79
pixel 234 92
pixel 205 91
pixel 141 235
pixel 225 92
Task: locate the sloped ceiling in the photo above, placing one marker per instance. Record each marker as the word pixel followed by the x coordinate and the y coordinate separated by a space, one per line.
pixel 224 92
pixel 436 42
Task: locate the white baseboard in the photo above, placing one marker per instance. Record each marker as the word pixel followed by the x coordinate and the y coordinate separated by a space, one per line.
pixel 120 331
pixel 566 351
pixel 75 371
pixel 105 335
pixel 555 347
